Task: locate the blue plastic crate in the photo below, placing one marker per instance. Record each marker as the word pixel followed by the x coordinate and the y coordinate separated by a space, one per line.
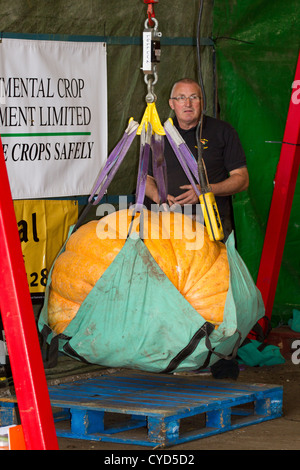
pixel 159 410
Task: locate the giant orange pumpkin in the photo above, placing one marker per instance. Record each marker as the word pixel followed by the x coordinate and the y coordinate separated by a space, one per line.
pixel 196 266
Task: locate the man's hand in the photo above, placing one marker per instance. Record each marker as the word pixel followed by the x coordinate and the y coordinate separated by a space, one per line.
pixel 171 200
pixel 187 197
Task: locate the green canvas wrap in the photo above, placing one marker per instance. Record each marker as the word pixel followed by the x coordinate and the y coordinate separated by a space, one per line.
pixel 134 317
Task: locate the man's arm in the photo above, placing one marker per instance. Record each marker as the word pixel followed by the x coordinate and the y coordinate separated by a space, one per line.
pixel 152 191
pixel 237 181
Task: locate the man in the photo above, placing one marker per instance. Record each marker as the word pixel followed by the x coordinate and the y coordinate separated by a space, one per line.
pixel 225 163
pixel 223 155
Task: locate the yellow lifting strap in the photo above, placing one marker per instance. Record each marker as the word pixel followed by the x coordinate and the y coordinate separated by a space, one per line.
pixel 151 116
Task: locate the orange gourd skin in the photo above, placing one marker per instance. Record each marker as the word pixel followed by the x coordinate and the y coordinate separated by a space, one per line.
pixel 197 267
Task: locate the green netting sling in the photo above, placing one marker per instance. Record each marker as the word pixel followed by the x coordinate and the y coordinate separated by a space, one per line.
pixel 134 317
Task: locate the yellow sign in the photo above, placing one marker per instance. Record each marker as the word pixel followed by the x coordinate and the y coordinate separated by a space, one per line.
pixel 43 228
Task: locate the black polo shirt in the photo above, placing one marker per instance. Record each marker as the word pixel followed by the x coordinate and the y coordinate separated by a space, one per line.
pixel 222 153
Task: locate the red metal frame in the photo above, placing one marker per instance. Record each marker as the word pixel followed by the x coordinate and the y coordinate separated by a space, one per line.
pixel 20 330
pixel 285 182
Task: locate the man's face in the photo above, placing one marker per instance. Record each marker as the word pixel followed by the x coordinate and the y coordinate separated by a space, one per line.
pixel 187 112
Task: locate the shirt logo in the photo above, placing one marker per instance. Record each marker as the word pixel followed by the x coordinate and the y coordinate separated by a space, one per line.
pixel 204 142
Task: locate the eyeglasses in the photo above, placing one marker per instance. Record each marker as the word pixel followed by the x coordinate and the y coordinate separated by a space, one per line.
pixel 182 99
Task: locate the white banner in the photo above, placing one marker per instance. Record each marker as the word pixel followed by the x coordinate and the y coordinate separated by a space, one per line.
pixel 53 116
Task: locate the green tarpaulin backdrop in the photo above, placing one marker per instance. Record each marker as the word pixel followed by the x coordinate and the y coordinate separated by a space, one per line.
pixel 257 45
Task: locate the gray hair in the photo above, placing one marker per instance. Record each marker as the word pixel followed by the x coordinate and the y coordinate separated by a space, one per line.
pixel 185 80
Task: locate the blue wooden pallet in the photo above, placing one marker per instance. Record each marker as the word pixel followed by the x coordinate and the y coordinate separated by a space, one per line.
pixel 159 410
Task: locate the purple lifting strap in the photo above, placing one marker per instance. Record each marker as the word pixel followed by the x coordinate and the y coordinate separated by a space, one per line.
pixel 142 176
pixel 183 154
pixel 155 143
pixel 113 162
